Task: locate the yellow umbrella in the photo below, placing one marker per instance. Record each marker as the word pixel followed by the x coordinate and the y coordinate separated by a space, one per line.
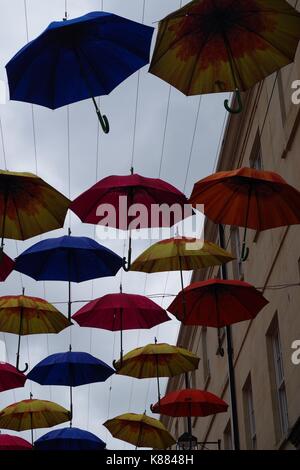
pixel 140 430
pixel 156 360
pixel 24 315
pixel 32 414
pixel 29 206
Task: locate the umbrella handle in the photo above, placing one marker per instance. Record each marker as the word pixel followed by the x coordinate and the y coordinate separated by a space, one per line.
pixel 245 252
pixel 114 363
pixel 24 370
pixel 102 118
pixel 220 351
pixel 152 408
pixel 239 108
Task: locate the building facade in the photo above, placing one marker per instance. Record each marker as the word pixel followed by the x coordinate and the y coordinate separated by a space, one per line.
pixel 266 135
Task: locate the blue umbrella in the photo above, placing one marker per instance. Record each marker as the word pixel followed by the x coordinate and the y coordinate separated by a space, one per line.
pixel 69 439
pixel 72 259
pixel 70 369
pixel 77 59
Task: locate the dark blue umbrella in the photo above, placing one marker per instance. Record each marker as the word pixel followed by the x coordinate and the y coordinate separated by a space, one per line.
pixel 77 59
pixel 70 369
pixel 69 439
pixel 72 259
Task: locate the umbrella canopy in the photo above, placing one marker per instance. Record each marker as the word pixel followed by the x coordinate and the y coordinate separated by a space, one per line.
pixel 6 266
pixel 218 303
pixel 190 402
pixel 68 258
pixel 140 430
pixel 32 414
pixel 24 315
pixel 70 368
pixel 180 253
pixel 29 206
pixel 122 193
pixel 69 439
pixel 157 360
pixel 209 46
pixel 8 442
pixel 77 59
pixel 10 377
pixel 121 311
pixel 247 197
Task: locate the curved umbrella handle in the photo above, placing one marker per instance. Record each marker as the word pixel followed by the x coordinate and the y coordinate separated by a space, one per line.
pixel 114 363
pixel 152 408
pixel 102 118
pixel 245 252
pixel 237 110
pixel 24 370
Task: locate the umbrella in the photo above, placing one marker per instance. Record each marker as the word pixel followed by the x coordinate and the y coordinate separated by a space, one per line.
pixel 71 259
pixel 69 439
pixel 140 430
pixel 218 303
pixel 71 369
pixel 213 46
pixel 6 266
pixel 32 414
pixel 159 204
pixel 156 360
pixel 180 254
pixel 118 312
pixel 10 377
pixel 76 59
pixel 249 198
pixel 190 402
pixel 8 442
pixel 24 315
pixel 28 206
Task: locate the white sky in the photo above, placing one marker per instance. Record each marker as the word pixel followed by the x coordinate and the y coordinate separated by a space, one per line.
pixel 175 139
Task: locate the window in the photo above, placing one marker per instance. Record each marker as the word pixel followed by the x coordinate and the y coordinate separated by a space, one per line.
pixel 228 437
pixel 236 248
pixel 205 361
pixel 250 426
pixel 280 382
pixel 255 159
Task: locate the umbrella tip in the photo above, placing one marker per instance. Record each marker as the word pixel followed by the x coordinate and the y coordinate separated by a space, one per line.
pixel 70 348
pixel 121 289
pixel 31 396
pixel 155 340
pixel 69 231
pixel 131 170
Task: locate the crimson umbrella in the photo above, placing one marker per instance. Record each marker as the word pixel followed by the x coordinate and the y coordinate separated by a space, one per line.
pixel 190 402
pixel 8 442
pixel 218 303
pixel 118 312
pixel 10 377
pixel 132 202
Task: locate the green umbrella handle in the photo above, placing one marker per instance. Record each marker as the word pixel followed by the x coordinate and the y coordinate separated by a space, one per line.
pixel 239 108
pixel 102 118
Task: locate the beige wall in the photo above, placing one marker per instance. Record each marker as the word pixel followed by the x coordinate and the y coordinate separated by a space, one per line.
pixel 273 261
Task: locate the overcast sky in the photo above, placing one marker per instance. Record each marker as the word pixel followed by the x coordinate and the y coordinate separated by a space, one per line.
pixel 176 139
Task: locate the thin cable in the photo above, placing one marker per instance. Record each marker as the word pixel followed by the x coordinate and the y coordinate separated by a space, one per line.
pixel 3 145
pixel 192 144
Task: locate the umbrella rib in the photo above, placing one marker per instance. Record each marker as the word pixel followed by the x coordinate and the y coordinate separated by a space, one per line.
pixel 18 215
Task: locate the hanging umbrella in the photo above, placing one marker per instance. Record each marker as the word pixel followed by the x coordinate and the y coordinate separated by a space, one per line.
pixel 24 315
pixel 32 414
pixel 28 206
pixel 123 194
pixel 71 259
pixel 6 266
pixel 180 254
pixel 218 303
pixel 156 360
pixel 71 369
pixel 8 442
pixel 190 402
pixel 69 439
pixel 10 377
pixel 118 312
pixel 76 59
pixel 255 199
pixel 140 430
pixel 213 46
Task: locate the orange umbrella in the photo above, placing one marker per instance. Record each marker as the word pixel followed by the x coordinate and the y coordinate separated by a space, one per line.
pixel 248 198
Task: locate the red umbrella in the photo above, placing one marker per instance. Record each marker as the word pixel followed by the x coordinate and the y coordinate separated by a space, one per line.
pixel 131 202
pixel 190 402
pixel 118 312
pixel 10 377
pixel 218 303
pixel 6 266
pixel 8 442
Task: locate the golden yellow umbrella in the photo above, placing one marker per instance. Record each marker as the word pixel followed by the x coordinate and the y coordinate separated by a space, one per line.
pixel 140 430
pixel 32 414
pixel 24 315
pixel 156 360
pixel 28 206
